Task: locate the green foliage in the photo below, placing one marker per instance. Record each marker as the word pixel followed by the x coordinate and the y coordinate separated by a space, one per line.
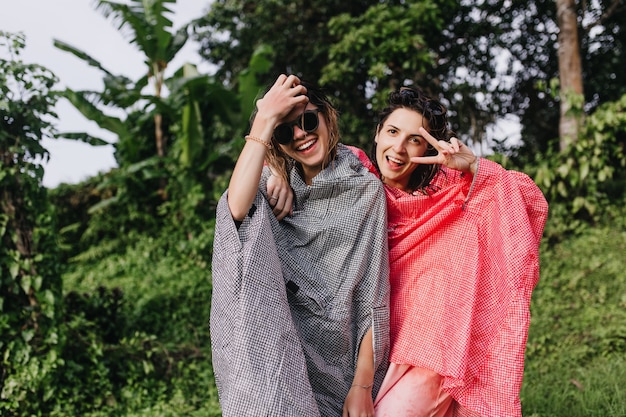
pixel 71 205
pixel 584 181
pixel 140 346
pixel 380 50
pixel 385 52
pixel 153 181
pixel 577 342
pixel 250 78
pixel 295 30
pixel 30 286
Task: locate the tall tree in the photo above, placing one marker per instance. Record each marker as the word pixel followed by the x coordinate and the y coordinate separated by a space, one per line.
pixel 530 39
pixel 600 16
pixel 149 28
pixel 147 123
pixel 570 72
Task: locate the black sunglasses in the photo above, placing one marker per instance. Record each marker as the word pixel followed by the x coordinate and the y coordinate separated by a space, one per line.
pixel 308 121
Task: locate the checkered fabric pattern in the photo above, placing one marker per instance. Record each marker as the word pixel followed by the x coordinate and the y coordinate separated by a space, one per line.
pixel 463 264
pixel 258 361
pixel 327 267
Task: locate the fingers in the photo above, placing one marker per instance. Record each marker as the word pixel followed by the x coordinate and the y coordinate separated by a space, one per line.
pixel 280 196
pixel 454 145
pixel 451 154
pixel 283 206
pixel 290 83
pixel 288 80
pixel 448 148
pixel 429 138
pixel 442 146
pixel 287 95
pixel 426 160
pixel 280 203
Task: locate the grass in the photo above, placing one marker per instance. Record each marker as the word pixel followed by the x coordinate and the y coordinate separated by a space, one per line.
pixel 576 350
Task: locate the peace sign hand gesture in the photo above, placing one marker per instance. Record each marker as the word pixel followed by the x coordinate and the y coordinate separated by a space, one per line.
pixel 454 154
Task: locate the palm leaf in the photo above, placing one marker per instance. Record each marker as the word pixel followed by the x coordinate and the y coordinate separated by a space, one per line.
pixel 84 137
pixel 80 54
pixel 146 25
pixel 91 112
pixel 249 86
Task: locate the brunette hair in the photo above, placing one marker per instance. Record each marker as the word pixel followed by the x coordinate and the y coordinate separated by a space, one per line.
pixel 436 123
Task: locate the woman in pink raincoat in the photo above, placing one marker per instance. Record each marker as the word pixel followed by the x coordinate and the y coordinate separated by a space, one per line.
pixel 464 238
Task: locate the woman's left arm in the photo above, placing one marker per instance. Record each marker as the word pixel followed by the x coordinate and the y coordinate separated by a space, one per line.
pixel 359 400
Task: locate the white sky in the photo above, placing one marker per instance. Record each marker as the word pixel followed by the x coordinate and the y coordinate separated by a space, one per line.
pixel 78 23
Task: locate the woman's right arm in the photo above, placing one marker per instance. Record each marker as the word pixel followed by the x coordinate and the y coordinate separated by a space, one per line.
pixel 280 100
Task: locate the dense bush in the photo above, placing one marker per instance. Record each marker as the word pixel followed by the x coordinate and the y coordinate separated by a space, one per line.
pixel 586 182
pixel 137 332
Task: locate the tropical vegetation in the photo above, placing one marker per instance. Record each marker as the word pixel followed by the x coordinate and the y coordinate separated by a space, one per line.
pixel 105 285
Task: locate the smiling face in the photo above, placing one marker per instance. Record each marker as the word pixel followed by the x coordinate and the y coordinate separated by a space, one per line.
pixel 397 140
pixel 309 149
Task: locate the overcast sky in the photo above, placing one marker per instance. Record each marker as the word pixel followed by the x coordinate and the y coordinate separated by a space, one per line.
pixel 79 24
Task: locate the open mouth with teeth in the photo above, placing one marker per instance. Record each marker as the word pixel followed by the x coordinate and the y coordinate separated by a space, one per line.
pixel 306 145
pixel 395 162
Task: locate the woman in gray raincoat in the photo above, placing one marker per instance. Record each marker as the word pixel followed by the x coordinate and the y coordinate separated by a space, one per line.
pixel 299 313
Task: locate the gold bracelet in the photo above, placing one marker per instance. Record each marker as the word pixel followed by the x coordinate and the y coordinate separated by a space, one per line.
pixel 261 141
pixel 362 386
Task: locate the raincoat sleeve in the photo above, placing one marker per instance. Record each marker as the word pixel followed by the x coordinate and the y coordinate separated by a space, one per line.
pixel 259 365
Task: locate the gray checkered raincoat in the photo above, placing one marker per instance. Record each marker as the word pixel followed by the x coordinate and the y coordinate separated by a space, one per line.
pixel 293 299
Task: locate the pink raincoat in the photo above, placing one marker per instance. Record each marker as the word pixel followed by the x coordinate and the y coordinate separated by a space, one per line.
pixel 463 264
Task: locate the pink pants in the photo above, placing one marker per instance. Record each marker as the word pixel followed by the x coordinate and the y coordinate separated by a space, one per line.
pixel 409 391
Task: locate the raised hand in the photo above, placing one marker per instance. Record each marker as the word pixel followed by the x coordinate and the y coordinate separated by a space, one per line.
pixel 454 154
pixel 285 96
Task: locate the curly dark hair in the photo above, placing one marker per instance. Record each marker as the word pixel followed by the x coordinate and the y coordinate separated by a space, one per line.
pixel 435 115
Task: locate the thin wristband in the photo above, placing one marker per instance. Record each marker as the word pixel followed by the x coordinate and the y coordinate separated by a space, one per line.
pixel 362 386
pixel 268 145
